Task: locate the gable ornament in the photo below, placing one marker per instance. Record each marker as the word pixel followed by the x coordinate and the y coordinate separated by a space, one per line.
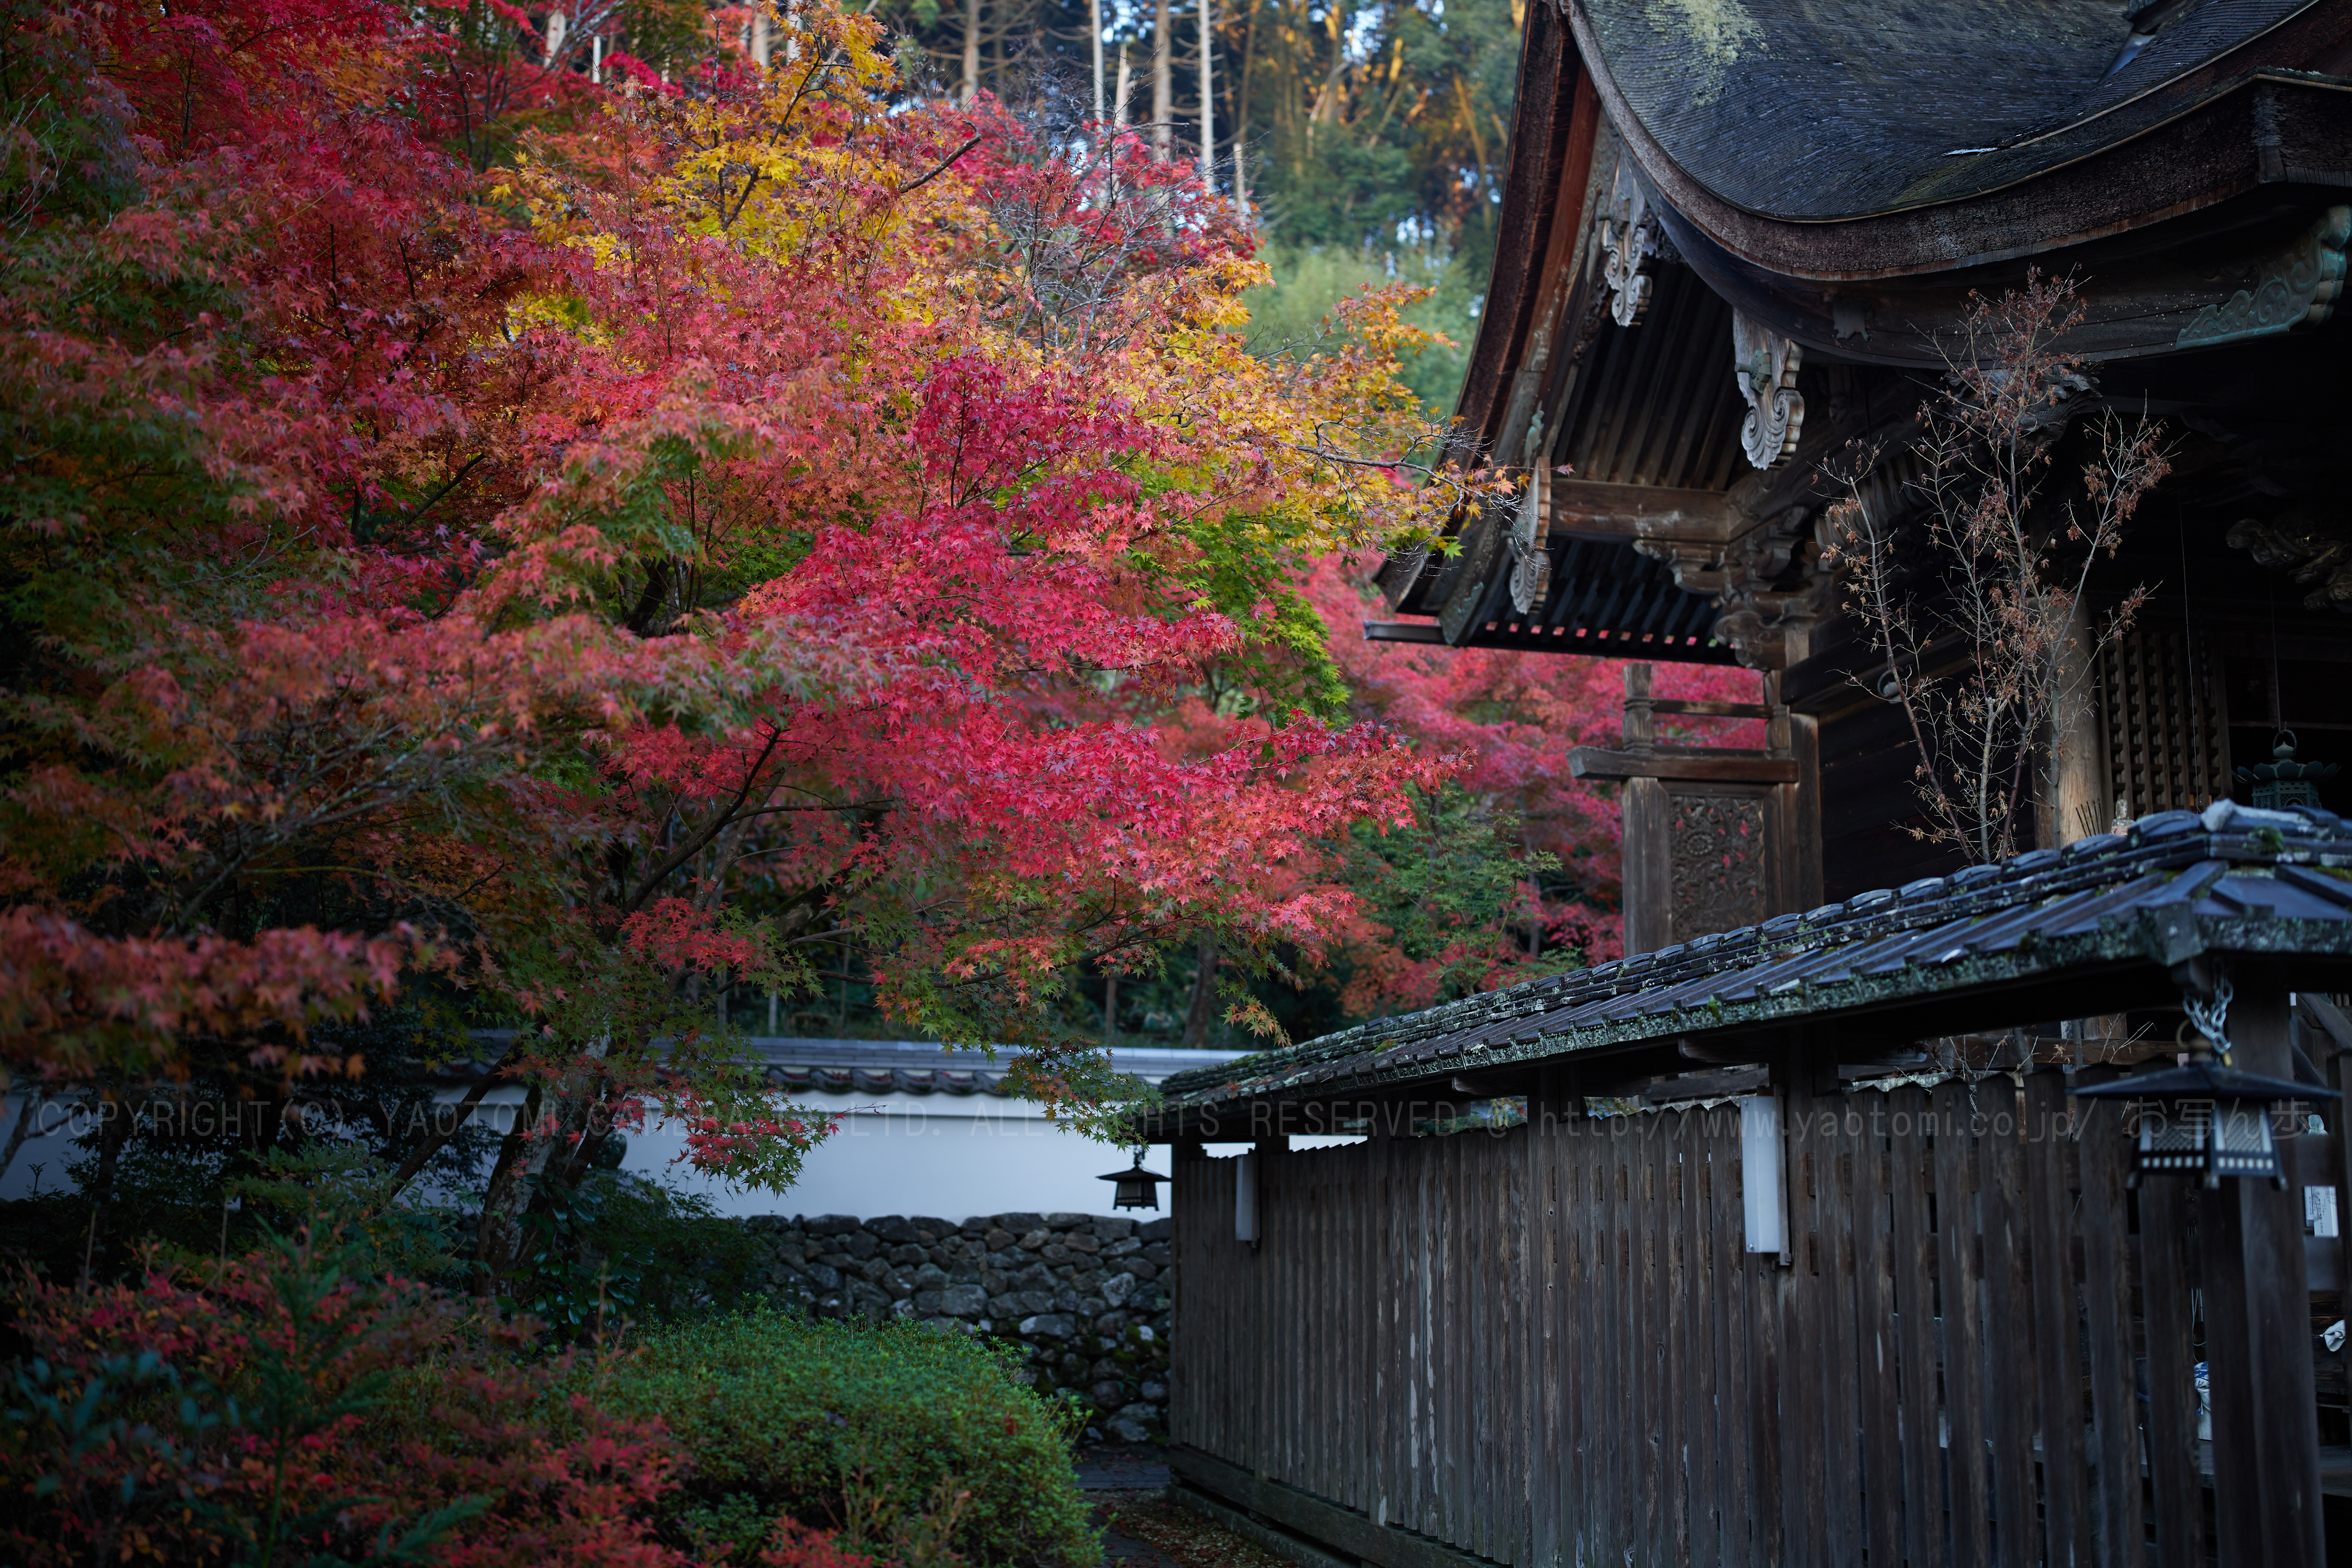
pixel 1767 365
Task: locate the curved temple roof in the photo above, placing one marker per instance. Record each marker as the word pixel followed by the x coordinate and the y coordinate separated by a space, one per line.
pixel 2048 926
pixel 1818 110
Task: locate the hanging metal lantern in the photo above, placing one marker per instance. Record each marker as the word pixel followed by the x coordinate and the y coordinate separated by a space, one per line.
pixel 2283 782
pixel 2206 1117
pixel 1137 1188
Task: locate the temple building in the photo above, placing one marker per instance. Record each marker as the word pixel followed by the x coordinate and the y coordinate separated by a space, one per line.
pixel 1887 1201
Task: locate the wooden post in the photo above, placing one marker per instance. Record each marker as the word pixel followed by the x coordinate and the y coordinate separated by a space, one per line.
pixel 1793 884
pixel 1641 718
pixel 1657 776
pixel 1646 815
pixel 2258 1337
pixel 2338 1072
pixel 2077 795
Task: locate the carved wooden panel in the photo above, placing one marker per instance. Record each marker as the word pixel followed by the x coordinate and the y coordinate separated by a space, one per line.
pixel 2168 737
pixel 1717 851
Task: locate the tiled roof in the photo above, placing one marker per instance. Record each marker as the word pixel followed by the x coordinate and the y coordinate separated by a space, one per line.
pixel 799 1079
pixel 805 1066
pixel 2179 885
pixel 916 1066
pixel 1814 109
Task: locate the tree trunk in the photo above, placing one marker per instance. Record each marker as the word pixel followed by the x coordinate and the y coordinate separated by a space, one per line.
pixel 1094 30
pixel 1208 97
pixel 506 1197
pixel 565 1148
pixel 1163 78
pixel 437 1139
pixel 970 50
pixel 114 1132
pixel 1240 114
pixel 1200 1016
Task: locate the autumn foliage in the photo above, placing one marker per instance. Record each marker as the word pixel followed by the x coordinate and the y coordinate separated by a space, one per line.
pixel 298 1406
pixel 547 572
pixel 1510 814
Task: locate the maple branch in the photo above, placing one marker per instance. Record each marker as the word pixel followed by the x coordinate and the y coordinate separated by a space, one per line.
pixel 458 478
pixel 941 169
pixel 875 803
pixel 35 1095
pixel 710 828
pixel 422 1155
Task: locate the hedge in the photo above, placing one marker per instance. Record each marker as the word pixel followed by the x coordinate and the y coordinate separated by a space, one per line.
pixel 785 1414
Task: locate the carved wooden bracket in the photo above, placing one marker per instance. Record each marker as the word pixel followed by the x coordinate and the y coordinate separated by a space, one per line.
pixel 1628 238
pixel 1531 530
pixel 1766 364
pixel 2319 557
pixel 2298 287
pixel 1767 618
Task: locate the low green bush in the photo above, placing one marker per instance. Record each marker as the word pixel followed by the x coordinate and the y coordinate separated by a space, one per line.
pixel 873 1431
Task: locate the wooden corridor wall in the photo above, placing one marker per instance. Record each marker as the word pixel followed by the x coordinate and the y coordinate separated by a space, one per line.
pixel 1550 1346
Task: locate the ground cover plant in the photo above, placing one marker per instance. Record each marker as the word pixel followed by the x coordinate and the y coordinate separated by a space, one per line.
pixel 306 1402
pixel 889 1429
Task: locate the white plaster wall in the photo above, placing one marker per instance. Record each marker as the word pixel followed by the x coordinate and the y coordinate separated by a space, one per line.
pixel 50 1144
pixel 952 1157
pixel 946 1155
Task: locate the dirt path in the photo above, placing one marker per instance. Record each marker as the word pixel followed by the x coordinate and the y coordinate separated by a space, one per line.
pixel 1142 1529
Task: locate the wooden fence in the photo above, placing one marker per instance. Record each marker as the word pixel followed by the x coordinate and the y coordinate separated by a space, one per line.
pixel 1550 1346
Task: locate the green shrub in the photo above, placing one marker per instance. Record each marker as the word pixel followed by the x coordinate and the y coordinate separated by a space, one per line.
pixel 624 1246
pixel 871 1430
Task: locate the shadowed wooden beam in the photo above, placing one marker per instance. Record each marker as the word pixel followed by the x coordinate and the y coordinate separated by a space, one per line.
pixel 1714 766
pixel 1589 506
pixel 1403 631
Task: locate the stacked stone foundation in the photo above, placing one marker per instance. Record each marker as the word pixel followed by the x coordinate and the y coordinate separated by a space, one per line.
pixel 1086 1297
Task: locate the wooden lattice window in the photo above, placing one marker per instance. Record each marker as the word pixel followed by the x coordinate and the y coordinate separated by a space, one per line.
pixel 2168 737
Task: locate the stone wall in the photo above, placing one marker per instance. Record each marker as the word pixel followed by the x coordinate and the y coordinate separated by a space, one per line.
pixel 1086 1297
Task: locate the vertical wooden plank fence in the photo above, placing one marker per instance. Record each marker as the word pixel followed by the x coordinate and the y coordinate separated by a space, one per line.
pixel 1551 1347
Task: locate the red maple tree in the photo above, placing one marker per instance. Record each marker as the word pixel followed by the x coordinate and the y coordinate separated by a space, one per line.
pixel 755 516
